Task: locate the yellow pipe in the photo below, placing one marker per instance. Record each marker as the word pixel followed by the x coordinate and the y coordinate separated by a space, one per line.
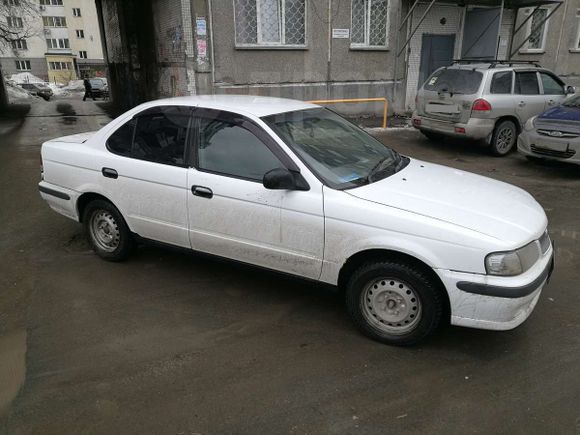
pixel 358 100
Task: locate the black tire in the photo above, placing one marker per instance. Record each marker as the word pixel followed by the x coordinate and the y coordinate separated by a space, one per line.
pixel 423 310
pixel 433 137
pixel 100 212
pixel 504 138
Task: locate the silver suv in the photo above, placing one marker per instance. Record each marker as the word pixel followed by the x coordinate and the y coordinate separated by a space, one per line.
pixel 486 101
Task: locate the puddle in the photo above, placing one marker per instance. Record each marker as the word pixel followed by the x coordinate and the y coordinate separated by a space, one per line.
pixel 12 366
pixel 68 120
pixel 66 109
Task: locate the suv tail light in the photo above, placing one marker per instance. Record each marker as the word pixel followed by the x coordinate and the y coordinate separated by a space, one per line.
pixel 481 105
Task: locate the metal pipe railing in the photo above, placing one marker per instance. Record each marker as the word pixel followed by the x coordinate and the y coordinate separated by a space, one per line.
pixel 358 100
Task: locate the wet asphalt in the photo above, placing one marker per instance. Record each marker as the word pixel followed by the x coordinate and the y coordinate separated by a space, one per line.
pixel 176 343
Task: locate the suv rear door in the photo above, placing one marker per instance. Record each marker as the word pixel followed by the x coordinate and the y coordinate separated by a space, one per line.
pixel 449 94
pixel 528 99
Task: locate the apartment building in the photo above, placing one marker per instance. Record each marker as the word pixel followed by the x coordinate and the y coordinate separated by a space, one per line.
pixel 65 41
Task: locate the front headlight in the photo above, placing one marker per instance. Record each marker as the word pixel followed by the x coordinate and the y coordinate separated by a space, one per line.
pixel 503 264
pixel 530 124
pixel 512 263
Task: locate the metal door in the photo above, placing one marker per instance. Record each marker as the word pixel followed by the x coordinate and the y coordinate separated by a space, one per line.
pixel 480 33
pixel 436 51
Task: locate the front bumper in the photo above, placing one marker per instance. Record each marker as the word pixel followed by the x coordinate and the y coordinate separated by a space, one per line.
pixel 474 128
pixel 495 302
pixel 530 143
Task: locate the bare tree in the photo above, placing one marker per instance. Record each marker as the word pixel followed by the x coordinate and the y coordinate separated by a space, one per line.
pixel 17 21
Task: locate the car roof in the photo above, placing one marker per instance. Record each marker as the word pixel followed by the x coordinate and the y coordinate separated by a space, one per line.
pixel 242 104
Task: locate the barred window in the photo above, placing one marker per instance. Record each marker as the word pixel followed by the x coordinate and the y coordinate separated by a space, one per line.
pixel 369 23
pixel 270 22
pixel 537 36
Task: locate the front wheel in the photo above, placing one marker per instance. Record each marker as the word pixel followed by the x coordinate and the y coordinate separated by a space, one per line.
pixel 504 138
pixel 393 302
pixel 107 232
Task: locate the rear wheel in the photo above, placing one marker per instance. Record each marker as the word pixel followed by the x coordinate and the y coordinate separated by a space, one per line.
pixel 393 302
pixel 107 231
pixel 504 138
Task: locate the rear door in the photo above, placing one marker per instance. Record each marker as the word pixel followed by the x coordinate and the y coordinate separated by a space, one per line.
pixel 449 93
pixel 529 101
pixel 553 89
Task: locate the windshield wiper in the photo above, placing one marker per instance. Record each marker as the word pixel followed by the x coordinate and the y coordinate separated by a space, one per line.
pixel 380 166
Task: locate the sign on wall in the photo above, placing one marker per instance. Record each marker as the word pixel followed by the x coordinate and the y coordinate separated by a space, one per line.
pixel 340 33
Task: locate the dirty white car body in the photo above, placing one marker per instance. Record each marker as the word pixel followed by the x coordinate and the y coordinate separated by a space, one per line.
pixel 442 220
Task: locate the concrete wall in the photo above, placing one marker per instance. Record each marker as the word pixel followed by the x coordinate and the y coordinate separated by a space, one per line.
pixel 38 66
pixel 560 54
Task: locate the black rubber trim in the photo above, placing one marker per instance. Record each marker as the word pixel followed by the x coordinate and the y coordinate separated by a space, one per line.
pixel 508 292
pixel 53 192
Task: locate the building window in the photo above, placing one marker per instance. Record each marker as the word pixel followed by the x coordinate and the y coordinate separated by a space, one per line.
pixel 82 54
pixel 12 2
pixel 19 44
pixel 80 33
pixel 54 21
pixel 23 65
pixel 369 23
pixel 60 65
pixel 14 22
pixel 537 32
pixel 577 46
pixel 51 2
pixel 270 22
pixel 57 43
pixel 77 12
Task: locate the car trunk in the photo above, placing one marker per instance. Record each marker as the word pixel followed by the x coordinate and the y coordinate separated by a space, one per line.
pixel 449 94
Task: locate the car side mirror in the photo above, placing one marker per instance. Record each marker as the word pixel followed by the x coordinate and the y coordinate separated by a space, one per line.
pixel 570 90
pixel 283 179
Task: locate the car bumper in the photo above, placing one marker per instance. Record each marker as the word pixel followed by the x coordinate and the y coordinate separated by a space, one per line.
pixel 475 128
pixel 60 199
pixel 533 144
pixel 494 302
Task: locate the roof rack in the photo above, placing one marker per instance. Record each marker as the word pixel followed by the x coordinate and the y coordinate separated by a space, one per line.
pixel 494 62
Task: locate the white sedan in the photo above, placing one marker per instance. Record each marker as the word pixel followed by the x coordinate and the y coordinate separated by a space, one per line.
pixel 293 187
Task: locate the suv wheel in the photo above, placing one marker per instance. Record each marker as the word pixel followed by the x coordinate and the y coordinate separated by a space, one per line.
pixel 107 232
pixel 393 302
pixel 504 138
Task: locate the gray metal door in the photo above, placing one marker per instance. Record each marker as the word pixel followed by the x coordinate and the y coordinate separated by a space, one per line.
pixel 480 33
pixel 436 51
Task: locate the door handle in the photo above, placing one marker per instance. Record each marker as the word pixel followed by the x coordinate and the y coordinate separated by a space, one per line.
pixel 109 173
pixel 521 104
pixel 204 192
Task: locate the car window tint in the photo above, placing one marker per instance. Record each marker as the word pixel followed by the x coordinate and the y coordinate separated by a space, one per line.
pixel 551 85
pixel 120 141
pixel 227 148
pixel 160 137
pixel 502 83
pixel 457 81
pixel 527 83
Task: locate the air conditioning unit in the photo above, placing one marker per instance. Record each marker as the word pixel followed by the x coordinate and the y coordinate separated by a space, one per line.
pixel 47 32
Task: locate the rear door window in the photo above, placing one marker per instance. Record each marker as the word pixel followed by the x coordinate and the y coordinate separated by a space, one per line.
pixel 502 83
pixel 551 85
pixel 527 83
pixel 455 81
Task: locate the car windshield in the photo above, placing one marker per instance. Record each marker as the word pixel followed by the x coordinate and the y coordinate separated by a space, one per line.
pixel 573 101
pixel 455 81
pixel 97 82
pixel 339 152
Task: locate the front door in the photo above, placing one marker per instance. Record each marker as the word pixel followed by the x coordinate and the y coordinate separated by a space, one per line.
pixel 436 51
pixel 231 213
pixel 480 33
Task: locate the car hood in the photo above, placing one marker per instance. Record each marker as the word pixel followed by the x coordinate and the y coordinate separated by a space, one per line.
pixel 487 206
pixel 561 113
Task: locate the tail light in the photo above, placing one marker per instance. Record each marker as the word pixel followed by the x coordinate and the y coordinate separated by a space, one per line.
pixel 481 105
pixel 41 167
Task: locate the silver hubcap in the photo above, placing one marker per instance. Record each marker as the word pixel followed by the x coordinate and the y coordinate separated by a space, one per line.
pixel 105 231
pixel 391 305
pixel 505 139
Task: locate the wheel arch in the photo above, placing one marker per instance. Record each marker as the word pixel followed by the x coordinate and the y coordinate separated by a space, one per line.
pixel 87 198
pixel 512 118
pixel 358 259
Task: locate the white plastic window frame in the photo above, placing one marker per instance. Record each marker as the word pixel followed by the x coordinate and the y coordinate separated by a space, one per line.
pixel 526 48
pixel 365 45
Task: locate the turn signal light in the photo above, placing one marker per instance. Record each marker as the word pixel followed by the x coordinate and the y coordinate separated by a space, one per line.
pixel 481 105
pixel 416 122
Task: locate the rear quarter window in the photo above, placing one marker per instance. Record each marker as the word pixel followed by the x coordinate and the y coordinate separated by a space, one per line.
pixel 502 83
pixel 456 81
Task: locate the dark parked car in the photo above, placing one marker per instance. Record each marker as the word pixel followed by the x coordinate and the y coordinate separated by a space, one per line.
pixel 100 87
pixel 555 134
pixel 37 89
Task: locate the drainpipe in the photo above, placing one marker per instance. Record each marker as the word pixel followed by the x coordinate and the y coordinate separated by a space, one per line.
pixel 561 36
pixel 499 30
pixel 329 48
pixel 210 13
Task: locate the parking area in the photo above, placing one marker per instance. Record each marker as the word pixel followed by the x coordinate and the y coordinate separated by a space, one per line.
pixel 173 342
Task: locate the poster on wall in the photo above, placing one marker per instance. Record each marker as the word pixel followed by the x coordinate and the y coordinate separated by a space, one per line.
pixel 200 26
